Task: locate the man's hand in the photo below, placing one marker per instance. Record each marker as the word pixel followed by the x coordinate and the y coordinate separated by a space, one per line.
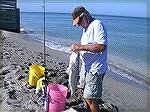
pixel 75 47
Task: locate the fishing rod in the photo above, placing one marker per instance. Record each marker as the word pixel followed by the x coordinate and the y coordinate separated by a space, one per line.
pixel 44 32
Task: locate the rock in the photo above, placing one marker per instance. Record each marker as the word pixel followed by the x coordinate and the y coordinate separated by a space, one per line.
pixel 60 63
pixel 12 94
pixel 5 70
pixel 21 77
pixel 26 72
pixel 66 76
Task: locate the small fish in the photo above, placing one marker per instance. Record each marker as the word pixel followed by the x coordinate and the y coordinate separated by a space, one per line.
pixel 73 71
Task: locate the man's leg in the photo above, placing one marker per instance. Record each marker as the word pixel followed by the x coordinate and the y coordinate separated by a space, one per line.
pixel 93 91
pixel 92 105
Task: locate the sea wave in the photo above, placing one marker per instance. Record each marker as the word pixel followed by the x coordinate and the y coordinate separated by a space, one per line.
pixel 129 74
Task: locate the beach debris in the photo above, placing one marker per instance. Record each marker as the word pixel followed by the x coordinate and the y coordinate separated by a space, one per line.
pixel 65 83
pixel 5 70
pixel 70 110
pixel 21 77
pixel 12 94
pixel 66 76
pixel 52 73
pixel 30 64
pixel 107 107
pixel 60 63
pixel 26 72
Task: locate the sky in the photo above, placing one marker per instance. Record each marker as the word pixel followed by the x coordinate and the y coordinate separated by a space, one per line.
pixel 133 9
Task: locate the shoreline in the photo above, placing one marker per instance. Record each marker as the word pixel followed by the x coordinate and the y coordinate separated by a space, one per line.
pixel 18 51
pixel 137 71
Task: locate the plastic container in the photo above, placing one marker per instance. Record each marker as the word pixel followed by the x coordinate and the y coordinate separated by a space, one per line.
pixel 39 82
pixel 56 97
pixel 35 73
pixel 40 85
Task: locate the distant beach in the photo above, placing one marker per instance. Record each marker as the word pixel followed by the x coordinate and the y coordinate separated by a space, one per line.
pixel 18 51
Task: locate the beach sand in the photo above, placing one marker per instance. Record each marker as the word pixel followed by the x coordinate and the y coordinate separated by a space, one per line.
pixel 19 51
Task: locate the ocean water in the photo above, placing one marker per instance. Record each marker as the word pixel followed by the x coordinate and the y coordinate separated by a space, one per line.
pixel 127 39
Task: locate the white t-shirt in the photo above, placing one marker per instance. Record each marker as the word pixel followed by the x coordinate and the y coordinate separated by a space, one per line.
pixel 94 62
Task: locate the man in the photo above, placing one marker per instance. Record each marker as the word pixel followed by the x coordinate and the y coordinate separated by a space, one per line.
pixel 93 52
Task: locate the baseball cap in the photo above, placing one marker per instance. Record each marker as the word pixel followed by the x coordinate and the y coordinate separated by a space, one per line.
pixel 77 12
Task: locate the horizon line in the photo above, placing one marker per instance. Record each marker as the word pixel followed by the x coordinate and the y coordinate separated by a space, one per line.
pixel 91 14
